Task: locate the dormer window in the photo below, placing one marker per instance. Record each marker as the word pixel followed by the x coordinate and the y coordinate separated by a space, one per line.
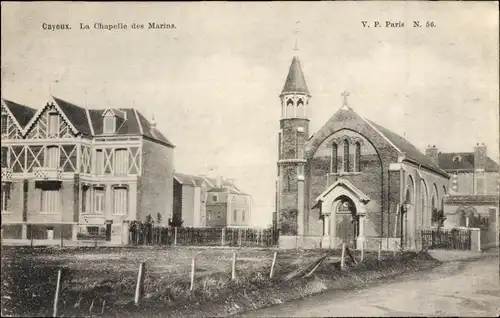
pixel 457 159
pixel 109 124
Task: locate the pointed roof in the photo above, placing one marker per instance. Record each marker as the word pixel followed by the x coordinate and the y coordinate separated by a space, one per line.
pixel 295 81
pixel 21 113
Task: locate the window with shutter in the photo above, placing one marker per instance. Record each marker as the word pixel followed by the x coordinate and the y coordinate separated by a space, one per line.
pixel 121 161
pixel 52 156
pixel 5 198
pixel 98 200
pixel 99 162
pixel 120 201
pixel 49 201
pixel 53 124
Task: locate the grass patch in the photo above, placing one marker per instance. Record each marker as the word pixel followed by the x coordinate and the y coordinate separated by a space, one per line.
pixel 102 281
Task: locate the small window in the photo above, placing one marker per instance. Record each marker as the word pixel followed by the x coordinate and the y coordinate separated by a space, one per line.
pixel 214 198
pixel 109 124
pixel 99 200
pixel 357 166
pixel 99 162
pixel 243 215
pixel 92 230
pixel 333 163
pixel 209 215
pixel 5 197
pixel 85 199
pixel 219 215
pixel 235 214
pixel 53 123
pixel 346 156
pixel 4 123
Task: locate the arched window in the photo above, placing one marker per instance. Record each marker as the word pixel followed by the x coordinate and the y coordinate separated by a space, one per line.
pixel 333 162
pixel 357 166
pixel 346 155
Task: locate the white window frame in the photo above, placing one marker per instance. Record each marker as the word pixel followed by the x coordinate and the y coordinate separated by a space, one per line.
pixel 215 197
pixel 87 194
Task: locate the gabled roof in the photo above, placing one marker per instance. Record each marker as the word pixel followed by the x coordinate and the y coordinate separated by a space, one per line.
pixel 295 81
pixel 466 162
pixel 188 179
pixel 404 146
pixel 193 180
pixel 76 114
pixel 88 121
pixel 20 112
pixel 347 185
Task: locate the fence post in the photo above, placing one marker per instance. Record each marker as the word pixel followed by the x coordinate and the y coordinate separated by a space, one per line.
pixel 223 236
pixel 379 250
pixel 239 237
pixel 175 235
pixel 233 267
pixel 193 262
pixel 58 288
pixel 342 258
pixel 362 252
pixel 140 283
pixel 272 265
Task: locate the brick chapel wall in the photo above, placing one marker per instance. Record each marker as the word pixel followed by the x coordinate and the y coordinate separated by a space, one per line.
pixel 155 189
pixel 368 179
pixel 374 181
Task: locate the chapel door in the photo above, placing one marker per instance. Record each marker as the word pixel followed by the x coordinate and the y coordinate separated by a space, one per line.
pixel 347 223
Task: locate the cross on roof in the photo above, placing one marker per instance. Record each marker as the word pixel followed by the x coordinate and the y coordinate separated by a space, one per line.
pixel 296 32
pixel 344 95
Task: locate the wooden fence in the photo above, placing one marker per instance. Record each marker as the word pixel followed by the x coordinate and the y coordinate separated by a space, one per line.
pixel 454 239
pixel 148 234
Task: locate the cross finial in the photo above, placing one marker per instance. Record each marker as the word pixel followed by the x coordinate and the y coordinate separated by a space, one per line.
pixel 296 32
pixel 344 95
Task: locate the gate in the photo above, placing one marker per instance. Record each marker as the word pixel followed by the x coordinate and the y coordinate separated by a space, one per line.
pixel 454 239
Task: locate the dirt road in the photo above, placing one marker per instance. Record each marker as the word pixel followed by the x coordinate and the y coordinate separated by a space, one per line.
pixel 452 289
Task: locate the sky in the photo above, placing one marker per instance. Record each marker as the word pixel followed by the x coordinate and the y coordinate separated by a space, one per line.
pixel 212 83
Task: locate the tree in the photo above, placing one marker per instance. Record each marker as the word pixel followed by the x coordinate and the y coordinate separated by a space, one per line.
pixel 438 217
pixel 176 221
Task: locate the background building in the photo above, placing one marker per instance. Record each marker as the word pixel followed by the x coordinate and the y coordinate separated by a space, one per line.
pixel 75 172
pixel 473 199
pixel 210 202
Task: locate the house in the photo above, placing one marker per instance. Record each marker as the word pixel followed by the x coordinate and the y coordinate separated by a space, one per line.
pixel 473 199
pixel 75 172
pixel 202 201
pixel 352 181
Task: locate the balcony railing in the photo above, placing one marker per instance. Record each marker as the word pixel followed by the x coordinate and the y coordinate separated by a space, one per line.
pixel 43 173
pixel 6 174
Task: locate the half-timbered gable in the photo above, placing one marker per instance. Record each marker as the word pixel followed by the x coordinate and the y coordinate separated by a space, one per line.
pixel 14 118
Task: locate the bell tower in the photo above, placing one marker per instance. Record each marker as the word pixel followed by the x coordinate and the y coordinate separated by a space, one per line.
pixel 292 138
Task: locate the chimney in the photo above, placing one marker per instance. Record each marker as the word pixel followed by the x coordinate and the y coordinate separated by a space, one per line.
pixel 219 182
pixel 432 153
pixel 479 156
